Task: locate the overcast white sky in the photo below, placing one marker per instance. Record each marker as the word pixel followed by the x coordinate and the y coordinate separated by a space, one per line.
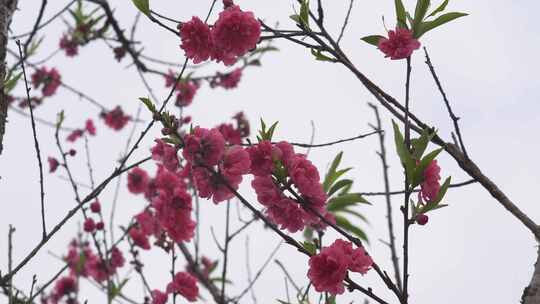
pixel 471 252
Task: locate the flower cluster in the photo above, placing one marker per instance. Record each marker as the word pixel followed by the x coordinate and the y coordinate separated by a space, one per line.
pixel 400 44
pixel 277 167
pixel 89 128
pixel 227 81
pixel 234 134
pixel 115 119
pixel 429 189
pixel 205 153
pixel 65 287
pixel 233 35
pixel 184 284
pixel 185 89
pixel 47 79
pixel 169 212
pixel 83 262
pixel 70 45
pixel 328 269
pixel 90 225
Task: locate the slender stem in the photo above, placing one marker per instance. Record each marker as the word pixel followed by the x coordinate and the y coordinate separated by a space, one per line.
pixel 408 190
pixel 225 251
pixel 389 214
pixel 36 143
pixel 453 116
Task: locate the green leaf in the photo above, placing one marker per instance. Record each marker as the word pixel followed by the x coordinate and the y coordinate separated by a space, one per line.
pixel 442 190
pixel 296 18
pixel 402 151
pixel 331 300
pixel 321 57
pixel 345 224
pixel 373 39
pixel 429 25
pixel 116 290
pixel 329 179
pixel 264 49
pixel 310 247
pixel 304 13
pixel 420 144
pixel 418 175
pixel 34 46
pixel 60 119
pixel 227 281
pixel 11 82
pixel 340 184
pixel 440 8
pixel 356 214
pixel 143 6
pixel 420 12
pixel 148 103
pixel 308 233
pixel 401 14
pixel 344 201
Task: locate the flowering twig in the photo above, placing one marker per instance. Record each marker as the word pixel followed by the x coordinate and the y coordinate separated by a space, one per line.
pixel 36 144
pixel 291 241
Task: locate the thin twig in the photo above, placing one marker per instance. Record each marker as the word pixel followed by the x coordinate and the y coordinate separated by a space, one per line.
pixel 345 22
pixel 389 214
pixel 260 271
pixel 36 144
pixel 454 118
pixel 408 190
pixel 225 251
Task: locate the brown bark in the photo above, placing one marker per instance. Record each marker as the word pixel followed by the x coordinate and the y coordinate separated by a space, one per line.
pixel 531 294
pixel 7 7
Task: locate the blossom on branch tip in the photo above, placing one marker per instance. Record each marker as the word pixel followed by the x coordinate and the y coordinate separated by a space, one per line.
pixel 234 34
pixel 429 188
pixel 186 93
pixel 422 219
pixel 69 45
pixel 165 154
pixel 230 80
pixel 95 207
pixel 89 225
pixel 115 119
pixel 49 80
pixel 90 127
pixel 158 297
pixel 197 40
pixel 137 180
pixel 328 269
pixel 203 145
pixel 184 284
pixel 400 44
pixel 53 164
pixel 74 135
